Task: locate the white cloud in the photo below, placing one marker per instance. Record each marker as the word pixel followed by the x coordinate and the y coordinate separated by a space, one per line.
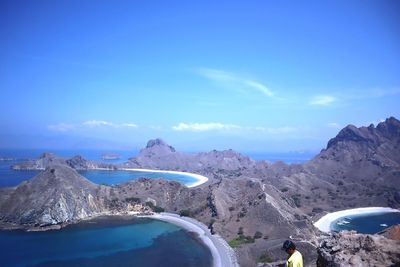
pixel 273 131
pixel 64 127
pixel 130 125
pixel 96 123
pixel 334 125
pixel 234 81
pixel 322 100
pixel 61 127
pixel 259 87
pixel 202 127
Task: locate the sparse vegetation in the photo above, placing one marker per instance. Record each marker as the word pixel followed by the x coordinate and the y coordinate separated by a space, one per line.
pixel 237 242
pixel 265 257
pixel 154 207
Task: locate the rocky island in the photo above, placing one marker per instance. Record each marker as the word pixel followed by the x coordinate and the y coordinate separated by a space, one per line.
pixel 255 205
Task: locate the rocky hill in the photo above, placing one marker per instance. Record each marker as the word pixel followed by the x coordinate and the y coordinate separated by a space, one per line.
pixel 58 194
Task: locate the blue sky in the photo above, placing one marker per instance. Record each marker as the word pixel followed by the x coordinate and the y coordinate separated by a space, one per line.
pixel 255 76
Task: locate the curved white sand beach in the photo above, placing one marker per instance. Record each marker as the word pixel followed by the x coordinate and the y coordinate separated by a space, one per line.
pixel 223 255
pixel 324 224
pixel 200 179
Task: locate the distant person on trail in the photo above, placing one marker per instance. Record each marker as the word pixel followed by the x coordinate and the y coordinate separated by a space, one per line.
pixel 295 259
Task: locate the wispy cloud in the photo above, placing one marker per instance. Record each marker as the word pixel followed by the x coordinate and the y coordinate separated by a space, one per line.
pixel 274 131
pixel 334 125
pixel 215 126
pixel 322 100
pixel 64 127
pixel 96 123
pixel 61 127
pixel 234 81
pixel 202 127
pixel 130 125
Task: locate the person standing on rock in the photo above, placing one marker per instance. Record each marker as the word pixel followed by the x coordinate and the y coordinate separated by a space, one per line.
pixel 295 259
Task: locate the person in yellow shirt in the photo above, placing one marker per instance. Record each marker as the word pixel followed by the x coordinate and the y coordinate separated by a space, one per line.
pixel 294 259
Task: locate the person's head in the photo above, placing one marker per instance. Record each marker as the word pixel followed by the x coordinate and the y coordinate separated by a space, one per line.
pixel 289 247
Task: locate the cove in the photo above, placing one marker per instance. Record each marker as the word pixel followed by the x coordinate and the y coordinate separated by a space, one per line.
pixel 105 241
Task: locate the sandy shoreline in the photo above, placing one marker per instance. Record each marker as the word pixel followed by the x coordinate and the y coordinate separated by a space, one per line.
pixel 200 178
pixel 324 224
pixel 223 255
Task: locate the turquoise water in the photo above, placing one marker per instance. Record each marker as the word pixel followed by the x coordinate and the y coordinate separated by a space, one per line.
pixel 118 177
pixel 10 177
pixel 108 241
pixel 367 223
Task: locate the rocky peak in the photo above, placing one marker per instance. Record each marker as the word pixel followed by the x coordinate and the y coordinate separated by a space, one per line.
pixel 157 142
pixel 159 146
pixel 389 128
pixel 352 133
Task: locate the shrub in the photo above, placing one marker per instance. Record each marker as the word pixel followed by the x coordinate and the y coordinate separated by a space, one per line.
pixel 158 209
pixel 258 235
pixel 240 231
pixel 133 199
pixel 185 213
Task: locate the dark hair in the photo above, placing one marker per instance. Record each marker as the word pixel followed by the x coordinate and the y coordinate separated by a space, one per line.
pixel 288 244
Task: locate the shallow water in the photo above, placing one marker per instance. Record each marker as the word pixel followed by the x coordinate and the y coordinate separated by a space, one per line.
pixel 108 241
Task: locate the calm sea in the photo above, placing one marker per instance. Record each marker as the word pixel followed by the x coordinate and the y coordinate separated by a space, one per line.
pixel 108 241
pixel 367 223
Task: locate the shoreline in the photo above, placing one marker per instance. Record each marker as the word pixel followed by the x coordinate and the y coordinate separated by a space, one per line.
pixel 324 223
pixel 200 178
pixel 223 255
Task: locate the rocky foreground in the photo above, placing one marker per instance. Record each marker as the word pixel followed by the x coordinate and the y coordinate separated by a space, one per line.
pixel 352 249
pixel 255 205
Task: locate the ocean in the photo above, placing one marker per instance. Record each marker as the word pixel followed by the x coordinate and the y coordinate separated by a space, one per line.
pixel 106 241
pixel 366 223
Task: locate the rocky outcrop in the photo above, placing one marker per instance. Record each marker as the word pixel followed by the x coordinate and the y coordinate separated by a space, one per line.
pixel 45 160
pixel 352 249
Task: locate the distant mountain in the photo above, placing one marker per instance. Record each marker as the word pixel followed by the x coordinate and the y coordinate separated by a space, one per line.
pixel 159 155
